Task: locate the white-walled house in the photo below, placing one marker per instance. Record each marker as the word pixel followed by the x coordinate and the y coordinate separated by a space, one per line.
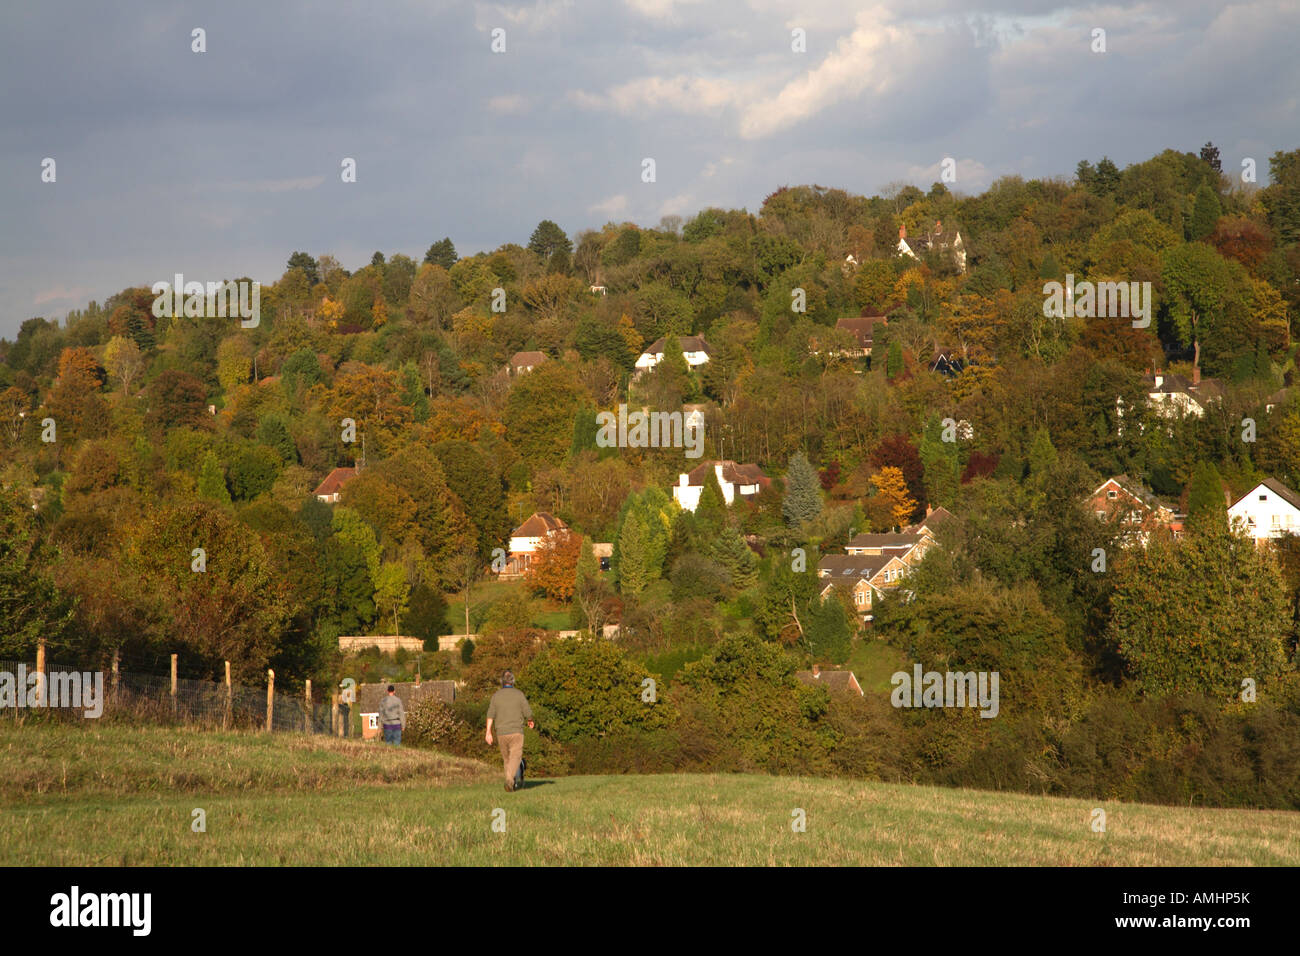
pixel 695 350
pixel 1269 510
pixel 735 480
pixel 527 539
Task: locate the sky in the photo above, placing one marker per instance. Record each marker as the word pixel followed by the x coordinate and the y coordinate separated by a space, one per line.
pixel 220 164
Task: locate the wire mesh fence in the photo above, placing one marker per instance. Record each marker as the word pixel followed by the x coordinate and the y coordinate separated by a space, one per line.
pixel 82 693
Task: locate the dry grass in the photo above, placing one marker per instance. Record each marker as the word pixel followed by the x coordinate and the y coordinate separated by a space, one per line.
pixel 125 796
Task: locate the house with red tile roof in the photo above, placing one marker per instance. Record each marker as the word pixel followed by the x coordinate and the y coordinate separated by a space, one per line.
pixel 328 490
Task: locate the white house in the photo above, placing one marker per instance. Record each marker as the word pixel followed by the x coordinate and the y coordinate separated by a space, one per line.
pixel 527 539
pixel 1173 396
pixel 936 241
pixel 695 350
pixel 735 480
pixel 1269 510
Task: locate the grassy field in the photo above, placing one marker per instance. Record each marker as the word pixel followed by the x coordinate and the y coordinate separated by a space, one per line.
pixel 114 795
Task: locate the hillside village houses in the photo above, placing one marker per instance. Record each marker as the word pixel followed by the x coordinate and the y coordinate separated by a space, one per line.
pixel 1123 499
pixel 1268 511
pixel 735 480
pixel 522 362
pixel 936 241
pixel 1174 396
pixel 695 350
pixel 875 563
pixel 527 539
pixel 329 490
pixel 863 330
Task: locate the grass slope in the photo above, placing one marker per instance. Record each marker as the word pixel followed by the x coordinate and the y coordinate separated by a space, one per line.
pixel 123 796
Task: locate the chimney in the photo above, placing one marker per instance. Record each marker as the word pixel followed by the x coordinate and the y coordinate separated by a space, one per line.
pixel 902 232
pixel 929 509
pixel 1196 375
pixel 817 672
pixel 1160 379
pixel 938 227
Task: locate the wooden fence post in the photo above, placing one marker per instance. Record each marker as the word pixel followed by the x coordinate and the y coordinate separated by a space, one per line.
pixel 40 669
pixel 308 720
pixel 225 721
pixel 173 683
pixel 335 725
pixel 270 697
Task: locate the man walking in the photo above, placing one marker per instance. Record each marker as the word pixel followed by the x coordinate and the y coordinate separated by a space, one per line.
pixel 509 711
pixel 392 715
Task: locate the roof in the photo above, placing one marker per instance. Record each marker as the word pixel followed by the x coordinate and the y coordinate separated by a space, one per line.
pixel 835 680
pixel 732 472
pixel 849 568
pixel 527 359
pixel 539 525
pixel 1179 384
pixel 1137 490
pixel 862 327
pixel 334 481
pixel 934 519
pixel 689 343
pixel 1279 489
pixel 900 539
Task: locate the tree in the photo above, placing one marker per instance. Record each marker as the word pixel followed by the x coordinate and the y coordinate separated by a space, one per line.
pixel 392 592
pixel 830 630
pixel 548 239
pixel 123 360
pixel 235 610
pixel 939 458
pixel 426 616
pixel 589 588
pixel 539 413
pixel 1206 507
pixel 31 606
pixel 554 567
pixel 212 480
pixel 803 497
pixel 634 557
pixel 1210 156
pixel 1205 213
pixel 300 260
pixel 177 399
pixel 711 510
pixel 731 551
pixel 234 363
pixel 584 687
pixel 892 488
pixel 1200 615
pixel 442 253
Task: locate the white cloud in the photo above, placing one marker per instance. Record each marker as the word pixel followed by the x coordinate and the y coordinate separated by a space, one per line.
pixel 62 294
pixel 869 59
pixel 659 9
pixel 683 94
pixel 540 15
pixel 508 103
pixel 611 207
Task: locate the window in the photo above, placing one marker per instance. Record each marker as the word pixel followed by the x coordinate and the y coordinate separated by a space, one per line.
pixel 1112 494
pixel 1263 497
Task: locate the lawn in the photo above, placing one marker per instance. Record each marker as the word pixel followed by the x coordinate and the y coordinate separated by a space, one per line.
pixel 117 795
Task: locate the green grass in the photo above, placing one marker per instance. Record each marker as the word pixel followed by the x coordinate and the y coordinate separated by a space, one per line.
pixel 547 615
pixel 116 795
pixel 875 662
